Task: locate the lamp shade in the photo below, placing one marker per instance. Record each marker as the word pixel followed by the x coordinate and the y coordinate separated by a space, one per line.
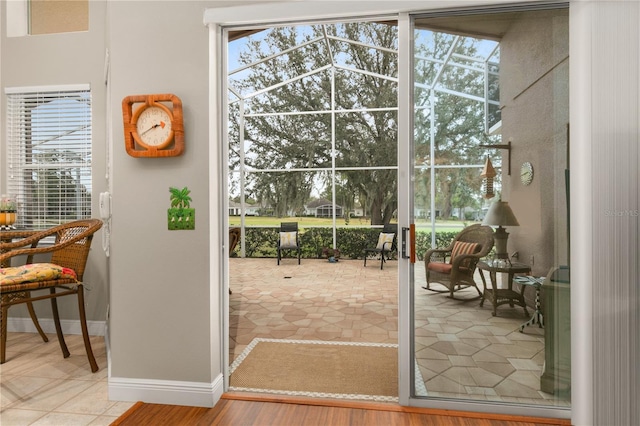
pixel 500 214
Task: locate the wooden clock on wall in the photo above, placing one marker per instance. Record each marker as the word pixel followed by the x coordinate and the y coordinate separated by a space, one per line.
pixel 153 125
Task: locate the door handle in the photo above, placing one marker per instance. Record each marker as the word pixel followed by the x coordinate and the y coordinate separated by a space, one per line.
pixel 412 243
pixel 404 243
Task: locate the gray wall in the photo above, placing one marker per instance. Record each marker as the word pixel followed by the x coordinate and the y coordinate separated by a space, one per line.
pixel 59 59
pixel 159 293
pixel 160 325
pixel 161 321
pixel 535 115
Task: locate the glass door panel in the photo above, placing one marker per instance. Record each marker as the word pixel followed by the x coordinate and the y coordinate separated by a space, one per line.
pixel 489 104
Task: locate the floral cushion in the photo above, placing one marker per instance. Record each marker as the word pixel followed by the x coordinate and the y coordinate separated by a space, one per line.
pixel 35 272
pixel 288 239
pixel 385 241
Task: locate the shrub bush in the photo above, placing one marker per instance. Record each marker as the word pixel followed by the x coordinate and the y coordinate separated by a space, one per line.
pixel 262 242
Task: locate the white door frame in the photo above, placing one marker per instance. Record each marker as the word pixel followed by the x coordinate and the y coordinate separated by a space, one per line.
pixel 300 11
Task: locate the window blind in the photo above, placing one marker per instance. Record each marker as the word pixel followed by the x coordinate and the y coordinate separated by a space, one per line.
pixel 49 154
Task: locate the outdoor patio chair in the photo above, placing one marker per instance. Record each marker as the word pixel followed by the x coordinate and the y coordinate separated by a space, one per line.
pixel 234 237
pixel 386 244
pixel 288 239
pixel 61 275
pixel 454 266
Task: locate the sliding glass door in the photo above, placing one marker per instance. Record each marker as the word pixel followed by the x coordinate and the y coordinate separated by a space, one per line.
pixel 487 176
pixel 482 128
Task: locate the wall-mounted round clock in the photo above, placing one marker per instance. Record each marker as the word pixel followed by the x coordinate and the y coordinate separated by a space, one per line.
pixel 153 125
pixel 526 173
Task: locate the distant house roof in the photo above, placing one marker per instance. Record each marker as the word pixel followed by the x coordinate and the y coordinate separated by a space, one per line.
pixel 233 204
pixel 317 203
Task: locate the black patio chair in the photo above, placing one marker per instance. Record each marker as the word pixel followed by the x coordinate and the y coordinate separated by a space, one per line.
pixel 288 239
pixel 386 244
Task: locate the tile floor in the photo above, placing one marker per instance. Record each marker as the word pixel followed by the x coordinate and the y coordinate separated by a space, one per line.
pixel 461 349
pixel 311 301
pixel 40 387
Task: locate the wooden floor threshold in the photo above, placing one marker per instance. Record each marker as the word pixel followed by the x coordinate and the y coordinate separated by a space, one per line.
pixel 378 406
pixel 235 408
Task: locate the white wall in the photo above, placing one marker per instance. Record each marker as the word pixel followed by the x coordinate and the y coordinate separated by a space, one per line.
pixel 609 117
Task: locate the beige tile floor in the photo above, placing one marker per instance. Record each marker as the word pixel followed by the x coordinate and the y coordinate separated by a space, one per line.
pixel 40 387
pixel 315 301
pixel 461 349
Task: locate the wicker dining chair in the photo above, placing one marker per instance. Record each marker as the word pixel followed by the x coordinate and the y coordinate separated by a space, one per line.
pixel 454 266
pixel 62 275
pixel 7 237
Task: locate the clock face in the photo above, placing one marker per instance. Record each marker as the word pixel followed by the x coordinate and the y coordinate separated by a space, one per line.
pixel 154 127
pixel 526 173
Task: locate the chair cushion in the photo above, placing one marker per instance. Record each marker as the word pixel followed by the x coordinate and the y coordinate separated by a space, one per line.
pixel 288 239
pixel 385 241
pixel 35 272
pixel 443 268
pixel 460 248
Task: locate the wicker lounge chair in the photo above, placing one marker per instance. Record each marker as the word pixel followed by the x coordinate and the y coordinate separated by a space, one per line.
pixel 454 266
pixel 234 237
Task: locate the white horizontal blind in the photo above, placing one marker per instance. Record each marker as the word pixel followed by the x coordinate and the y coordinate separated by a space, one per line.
pixel 49 154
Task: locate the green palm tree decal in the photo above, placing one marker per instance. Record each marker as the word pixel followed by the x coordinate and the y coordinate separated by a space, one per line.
pixel 180 198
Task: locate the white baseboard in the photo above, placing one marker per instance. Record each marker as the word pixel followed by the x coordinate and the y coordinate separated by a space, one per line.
pixel 25 325
pixel 193 394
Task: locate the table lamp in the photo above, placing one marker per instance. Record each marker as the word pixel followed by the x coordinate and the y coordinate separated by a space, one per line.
pixel 500 214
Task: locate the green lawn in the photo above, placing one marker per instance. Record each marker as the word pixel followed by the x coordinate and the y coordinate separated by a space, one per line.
pixel 268 221
pixel 302 221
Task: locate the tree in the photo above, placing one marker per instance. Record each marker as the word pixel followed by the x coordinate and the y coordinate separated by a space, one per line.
pixel 459 120
pixel 362 139
pixel 288 121
pixel 346 193
pixel 59 190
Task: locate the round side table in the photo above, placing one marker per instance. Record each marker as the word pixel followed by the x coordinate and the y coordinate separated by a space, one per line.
pixel 501 296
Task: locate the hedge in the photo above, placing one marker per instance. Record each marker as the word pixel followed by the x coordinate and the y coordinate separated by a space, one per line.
pixel 262 242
